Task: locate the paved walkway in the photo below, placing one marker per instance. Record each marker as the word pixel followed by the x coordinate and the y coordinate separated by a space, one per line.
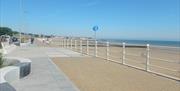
pixel 45 76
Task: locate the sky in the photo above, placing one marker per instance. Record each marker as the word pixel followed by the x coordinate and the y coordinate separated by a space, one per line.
pixel 122 19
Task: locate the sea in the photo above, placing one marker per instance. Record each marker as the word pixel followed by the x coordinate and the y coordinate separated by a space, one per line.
pixel 144 42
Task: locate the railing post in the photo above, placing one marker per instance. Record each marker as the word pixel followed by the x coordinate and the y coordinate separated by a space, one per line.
pixel 67 43
pixel 124 53
pixel 95 51
pixel 64 43
pixel 87 47
pixel 75 44
pixel 71 43
pixel 81 46
pixel 107 50
pixel 147 57
pixel 61 43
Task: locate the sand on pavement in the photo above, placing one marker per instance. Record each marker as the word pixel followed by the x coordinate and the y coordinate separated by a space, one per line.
pixel 94 74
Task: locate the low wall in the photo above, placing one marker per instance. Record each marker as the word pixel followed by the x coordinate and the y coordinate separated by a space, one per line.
pixel 20 69
pixel 23 64
pixel 9 74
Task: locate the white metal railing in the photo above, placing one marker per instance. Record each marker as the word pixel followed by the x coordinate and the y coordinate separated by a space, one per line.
pixel 89 46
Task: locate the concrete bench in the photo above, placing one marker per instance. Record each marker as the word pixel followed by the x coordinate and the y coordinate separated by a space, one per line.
pixel 20 68
pixel 23 64
pixel 8 74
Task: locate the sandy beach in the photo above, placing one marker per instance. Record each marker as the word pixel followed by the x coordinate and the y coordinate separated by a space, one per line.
pixel 94 74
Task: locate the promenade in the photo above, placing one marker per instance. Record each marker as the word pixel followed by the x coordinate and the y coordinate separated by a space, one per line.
pixel 75 72
pixel 45 76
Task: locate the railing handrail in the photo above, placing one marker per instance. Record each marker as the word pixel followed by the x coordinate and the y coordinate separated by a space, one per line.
pixel 89 43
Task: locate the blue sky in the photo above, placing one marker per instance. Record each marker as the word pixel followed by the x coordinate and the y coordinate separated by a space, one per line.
pixel 124 19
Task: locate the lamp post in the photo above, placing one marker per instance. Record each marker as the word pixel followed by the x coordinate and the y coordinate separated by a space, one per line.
pixel 22 20
pixel 21 9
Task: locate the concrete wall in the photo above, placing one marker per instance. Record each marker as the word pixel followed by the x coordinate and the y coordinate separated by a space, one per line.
pixel 9 74
pixel 12 73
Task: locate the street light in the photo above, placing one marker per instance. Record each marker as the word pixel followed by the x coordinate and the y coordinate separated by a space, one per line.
pixel 21 8
pixel 22 14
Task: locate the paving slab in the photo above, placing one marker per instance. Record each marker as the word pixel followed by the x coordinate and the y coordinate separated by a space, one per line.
pixel 44 76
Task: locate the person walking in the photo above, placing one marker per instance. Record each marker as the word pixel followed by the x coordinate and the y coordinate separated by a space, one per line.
pixel 32 40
